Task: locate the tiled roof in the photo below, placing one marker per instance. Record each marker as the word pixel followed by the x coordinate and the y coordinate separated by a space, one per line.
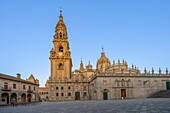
pixel 12 78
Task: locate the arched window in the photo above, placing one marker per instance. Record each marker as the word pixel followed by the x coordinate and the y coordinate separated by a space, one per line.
pixel 62 94
pixel 60 35
pixel 60 49
pixel 69 94
pixel 69 87
pixel 62 88
pixel 57 94
pixel 56 88
pixel 60 66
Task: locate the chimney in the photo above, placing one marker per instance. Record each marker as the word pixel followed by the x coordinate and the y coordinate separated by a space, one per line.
pixel 18 76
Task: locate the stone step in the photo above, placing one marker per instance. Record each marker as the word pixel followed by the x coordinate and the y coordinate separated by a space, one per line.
pixel 161 94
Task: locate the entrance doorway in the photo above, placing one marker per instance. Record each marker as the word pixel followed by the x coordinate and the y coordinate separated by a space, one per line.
pixel 123 93
pixel 167 85
pixel 29 97
pixel 23 97
pixel 105 96
pixel 77 95
pixel 13 97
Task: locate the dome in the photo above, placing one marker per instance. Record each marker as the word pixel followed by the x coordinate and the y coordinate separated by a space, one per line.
pixel 103 63
pixel 103 58
pixel 89 65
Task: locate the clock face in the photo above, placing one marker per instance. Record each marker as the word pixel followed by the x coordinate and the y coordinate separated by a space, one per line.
pixel 60 53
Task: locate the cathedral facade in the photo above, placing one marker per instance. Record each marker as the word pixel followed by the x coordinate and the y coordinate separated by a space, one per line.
pixel 107 82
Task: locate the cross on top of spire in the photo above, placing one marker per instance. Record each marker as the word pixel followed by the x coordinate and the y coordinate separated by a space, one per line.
pixel 103 53
pixel 60 10
pixel 61 17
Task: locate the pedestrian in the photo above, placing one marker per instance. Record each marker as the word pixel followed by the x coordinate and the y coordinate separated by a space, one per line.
pixel 13 102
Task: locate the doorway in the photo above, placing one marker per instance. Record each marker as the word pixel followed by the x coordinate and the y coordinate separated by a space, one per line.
pixel 77 95
pixel 167 85
pixel 5 98
pixel 29 97
pixel 23 97
pixel 123 93
pixel 13 97
pixel 105 96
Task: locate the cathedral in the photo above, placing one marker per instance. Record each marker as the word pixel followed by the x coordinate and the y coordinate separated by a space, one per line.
pixel 108 81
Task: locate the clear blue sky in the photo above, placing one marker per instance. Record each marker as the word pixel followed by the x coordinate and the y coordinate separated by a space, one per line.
pixel 135 30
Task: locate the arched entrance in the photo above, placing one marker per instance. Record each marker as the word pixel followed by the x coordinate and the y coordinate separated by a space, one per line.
pixel 29 97
pixel 23 97
pixel 13 97
pixel 33 97
pixel 5 98
pixel 105 94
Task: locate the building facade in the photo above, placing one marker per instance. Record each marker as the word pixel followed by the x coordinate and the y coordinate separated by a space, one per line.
pixel 43 93
pixel 107 81
pixel 17 90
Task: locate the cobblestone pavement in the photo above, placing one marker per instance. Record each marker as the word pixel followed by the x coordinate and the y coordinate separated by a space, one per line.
pixel 110 106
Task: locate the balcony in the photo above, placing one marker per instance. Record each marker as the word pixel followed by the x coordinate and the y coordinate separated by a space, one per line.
pixel 30 91
pixel 6 89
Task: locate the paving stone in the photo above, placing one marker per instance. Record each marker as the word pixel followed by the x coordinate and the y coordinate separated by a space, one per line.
pixel 111 106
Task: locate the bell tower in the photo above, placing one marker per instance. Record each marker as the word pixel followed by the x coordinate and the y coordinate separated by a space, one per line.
pixel 61 62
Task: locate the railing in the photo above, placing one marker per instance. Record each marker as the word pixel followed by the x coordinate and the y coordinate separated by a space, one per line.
pixel 30 91
pixel 6 89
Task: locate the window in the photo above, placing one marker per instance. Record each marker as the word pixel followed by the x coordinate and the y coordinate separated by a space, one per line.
pixel 84 87
pixel 57 94
pixel 69 94
pixel 69 87
pixel 60 35
pixel 29 88
pixel 62 88
pixel 60 49
pixel 84 94
pixel 56 88
pixel 62 94
pixel 60 66
pixel 123 83
pixel 5 85
pixel 34 88
pixel 23 87
pixel 14 86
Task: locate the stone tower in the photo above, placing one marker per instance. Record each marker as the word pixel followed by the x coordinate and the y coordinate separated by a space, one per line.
pixel 61 62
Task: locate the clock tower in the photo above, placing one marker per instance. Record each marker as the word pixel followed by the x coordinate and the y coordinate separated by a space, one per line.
pixel 61 62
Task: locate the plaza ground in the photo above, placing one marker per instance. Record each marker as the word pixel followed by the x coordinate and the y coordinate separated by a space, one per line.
pixel 153 105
